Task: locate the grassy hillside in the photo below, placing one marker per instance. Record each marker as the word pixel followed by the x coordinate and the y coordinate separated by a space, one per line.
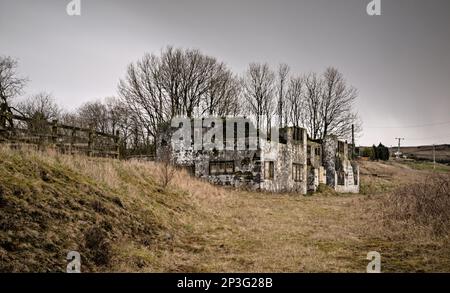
pixel 112 212
pixel 120 218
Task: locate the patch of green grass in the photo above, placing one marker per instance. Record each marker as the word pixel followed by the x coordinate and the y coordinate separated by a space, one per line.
pixel 427 166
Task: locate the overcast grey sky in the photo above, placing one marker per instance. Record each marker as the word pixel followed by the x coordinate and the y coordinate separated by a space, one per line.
pixel 399 61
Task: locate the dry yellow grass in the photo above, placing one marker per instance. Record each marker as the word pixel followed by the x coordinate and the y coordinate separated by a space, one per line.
pixel 49 202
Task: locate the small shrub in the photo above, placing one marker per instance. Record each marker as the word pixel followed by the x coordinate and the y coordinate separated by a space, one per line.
pixel 426 204
pixel 167 169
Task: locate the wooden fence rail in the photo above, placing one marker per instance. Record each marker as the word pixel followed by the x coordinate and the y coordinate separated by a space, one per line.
pixel 16 129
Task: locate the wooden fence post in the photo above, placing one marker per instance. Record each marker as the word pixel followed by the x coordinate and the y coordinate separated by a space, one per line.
pixel 117 143
pixel 55 132
pixel 90 142
pixel 98 143
pixel 72 140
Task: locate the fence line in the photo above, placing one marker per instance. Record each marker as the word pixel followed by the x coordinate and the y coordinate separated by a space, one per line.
pixel 16 129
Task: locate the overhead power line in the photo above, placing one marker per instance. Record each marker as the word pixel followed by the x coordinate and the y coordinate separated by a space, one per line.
pixel 411 126
pixel 430 137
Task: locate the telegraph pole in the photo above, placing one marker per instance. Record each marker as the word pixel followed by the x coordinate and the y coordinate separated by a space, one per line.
pixel 353 141
pixel 398 149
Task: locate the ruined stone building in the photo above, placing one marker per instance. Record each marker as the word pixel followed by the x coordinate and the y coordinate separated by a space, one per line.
pixel 292 163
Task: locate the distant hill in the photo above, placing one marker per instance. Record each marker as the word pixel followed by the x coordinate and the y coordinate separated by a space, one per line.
pixel 426 152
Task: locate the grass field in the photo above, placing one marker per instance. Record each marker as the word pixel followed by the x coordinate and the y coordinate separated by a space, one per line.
pixel 120 218
pixel 424 165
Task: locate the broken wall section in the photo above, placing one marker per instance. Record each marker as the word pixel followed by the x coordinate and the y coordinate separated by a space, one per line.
pixel 316 172
pixel 342 173
pixel 287 158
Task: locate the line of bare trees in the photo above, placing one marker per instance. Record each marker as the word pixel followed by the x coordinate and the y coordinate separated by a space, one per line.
pixel 190 83
pixel 178 82
pixel 323 104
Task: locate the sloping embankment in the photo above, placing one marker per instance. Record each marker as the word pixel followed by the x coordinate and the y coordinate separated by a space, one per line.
pixel 113 212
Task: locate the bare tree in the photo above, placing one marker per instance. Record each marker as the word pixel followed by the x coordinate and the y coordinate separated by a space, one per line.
pixel 69 118
pixel 124 121
pixel 229 102
pixel 142 91
pixel 195 83
pixel 283 71
pixel 179 82
pixel 336 112
pixel 313 100
pixel 41 106
pixel 295 102
pixel 11 86
pixel 197 73
pixel 222 94
pixel 94 115
pixel 259 92
pixel 323 104
pixel 40 109
pixel 116 113
pixel 167 169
